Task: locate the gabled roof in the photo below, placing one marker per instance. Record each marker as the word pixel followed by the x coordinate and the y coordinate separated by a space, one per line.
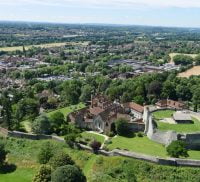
pixel 134 106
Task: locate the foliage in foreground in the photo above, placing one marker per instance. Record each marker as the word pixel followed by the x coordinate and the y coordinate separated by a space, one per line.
pixel 68 173
pixel 43 175
pixel 97 168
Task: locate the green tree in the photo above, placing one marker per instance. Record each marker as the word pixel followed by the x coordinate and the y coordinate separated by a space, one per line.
pixel 86 92
pixel 41 125
pixel 46 153
pixel 43 175
pixel 71 91
pixel 177 149
pixel 57 122
pixel 60 159
pixel 183 59
pixel 68 173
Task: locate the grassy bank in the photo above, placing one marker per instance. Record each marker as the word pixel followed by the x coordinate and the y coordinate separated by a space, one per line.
pixel 97 168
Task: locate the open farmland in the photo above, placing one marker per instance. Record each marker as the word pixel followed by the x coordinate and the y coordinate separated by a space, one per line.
pixel 49 45
pixel 171 55
pixel 195 71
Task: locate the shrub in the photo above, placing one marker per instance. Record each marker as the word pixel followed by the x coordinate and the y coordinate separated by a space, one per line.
pixel 140 134
pixel 68 173
pixel 60 159
pixel 177 149
pixel 45 153
pixel 95 146
pixel 43 175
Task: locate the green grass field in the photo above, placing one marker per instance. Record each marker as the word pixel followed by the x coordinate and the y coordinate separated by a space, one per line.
pixel 138 144
pixel 23 154
pixel 49 45
pixel 97 168
pixel 65 111
pixel 172 55
pixel 180 128
pixel 92 136
pixel 163 114
pixel 145 146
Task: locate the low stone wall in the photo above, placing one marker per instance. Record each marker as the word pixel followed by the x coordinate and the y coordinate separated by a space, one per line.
pixel 148 158
pixel 115 152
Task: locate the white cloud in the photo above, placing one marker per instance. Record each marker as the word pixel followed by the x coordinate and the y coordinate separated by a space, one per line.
pixel 109 3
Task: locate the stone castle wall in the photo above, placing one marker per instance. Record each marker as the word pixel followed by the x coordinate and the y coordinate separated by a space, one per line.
pixel 166 137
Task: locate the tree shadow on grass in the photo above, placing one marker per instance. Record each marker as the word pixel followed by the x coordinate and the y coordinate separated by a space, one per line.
pixel 8 168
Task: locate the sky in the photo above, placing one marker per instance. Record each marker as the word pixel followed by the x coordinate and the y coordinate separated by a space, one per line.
pixel 178 13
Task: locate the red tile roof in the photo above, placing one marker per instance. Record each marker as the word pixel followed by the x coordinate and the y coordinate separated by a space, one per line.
pixel 134 106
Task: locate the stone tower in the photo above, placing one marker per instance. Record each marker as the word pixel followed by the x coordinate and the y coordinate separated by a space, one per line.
pixel 147 119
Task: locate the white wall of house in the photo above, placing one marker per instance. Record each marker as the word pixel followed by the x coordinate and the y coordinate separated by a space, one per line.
pixel 136 114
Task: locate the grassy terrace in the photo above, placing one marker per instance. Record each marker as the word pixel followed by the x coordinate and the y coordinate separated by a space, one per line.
pixel 163 114
pixel 145 146
pixel 180 128
pixel 138 144
pixel 23 154
pixel 65 111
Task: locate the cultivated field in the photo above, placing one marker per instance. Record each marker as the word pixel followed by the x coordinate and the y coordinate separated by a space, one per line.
pixel 49 45
pixel 195 71
pixel 171 55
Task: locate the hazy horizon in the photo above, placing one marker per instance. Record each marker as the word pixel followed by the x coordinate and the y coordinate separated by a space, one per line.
pixel 171 13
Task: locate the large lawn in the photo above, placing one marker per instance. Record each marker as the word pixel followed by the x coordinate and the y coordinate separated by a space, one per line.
pixel 180 128
pixel 138 144
pixel 97 168
pixel 145 146
pixel 20 175
pixel 65 111
pixel 23 154
pixel 163 114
